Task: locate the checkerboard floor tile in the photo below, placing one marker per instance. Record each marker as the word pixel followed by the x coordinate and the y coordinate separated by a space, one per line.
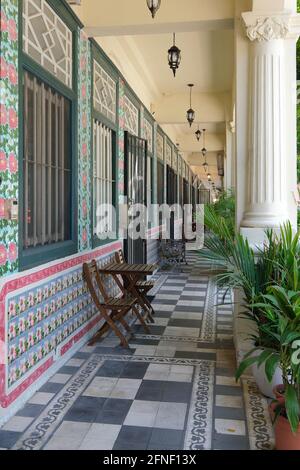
pixel 146 397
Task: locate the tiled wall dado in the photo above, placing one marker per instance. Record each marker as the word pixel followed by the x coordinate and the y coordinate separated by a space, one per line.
pixel 44 314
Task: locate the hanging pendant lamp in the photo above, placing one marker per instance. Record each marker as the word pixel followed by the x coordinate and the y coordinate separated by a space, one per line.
pixel 198 134
pixel 153 6
pixel 204 150
pixel 174 56
pixel 190 115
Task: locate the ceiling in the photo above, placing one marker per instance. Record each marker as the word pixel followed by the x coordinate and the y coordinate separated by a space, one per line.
pixel 138 45
pixel 202 61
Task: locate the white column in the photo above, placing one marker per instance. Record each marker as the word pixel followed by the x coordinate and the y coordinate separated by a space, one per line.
pixel 266 204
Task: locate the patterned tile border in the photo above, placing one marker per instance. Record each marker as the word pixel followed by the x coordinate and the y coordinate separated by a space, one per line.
pixel 208 330
pixel 44 426
pixel 260 429
pixel 200 419
pixel 188 339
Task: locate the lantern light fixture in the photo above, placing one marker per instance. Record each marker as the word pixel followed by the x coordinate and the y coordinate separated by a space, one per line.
pixel 198 134
pixel 190 112
pixel 174 56
pixel 204 150
pixel 153 6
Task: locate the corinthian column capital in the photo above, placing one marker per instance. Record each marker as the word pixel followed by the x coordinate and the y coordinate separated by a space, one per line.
pixel 266 28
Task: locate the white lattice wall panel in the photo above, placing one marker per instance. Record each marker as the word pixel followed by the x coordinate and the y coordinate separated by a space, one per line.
pixel 159 146
pixel 47 40
pixel 169 155
pixel 148 134
pixel 131 116
pixel 179 165
pixel 174 161
pixel 105 93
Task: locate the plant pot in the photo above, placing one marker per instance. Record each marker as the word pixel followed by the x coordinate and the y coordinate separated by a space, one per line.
pixel 279 393
pixel 266 387
pixel 284 438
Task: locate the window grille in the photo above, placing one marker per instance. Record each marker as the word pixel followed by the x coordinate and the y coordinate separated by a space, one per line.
pixel 103 177
pixel 46 164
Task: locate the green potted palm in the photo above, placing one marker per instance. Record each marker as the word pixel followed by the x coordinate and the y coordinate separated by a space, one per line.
pixel 282 309
pixel 253 273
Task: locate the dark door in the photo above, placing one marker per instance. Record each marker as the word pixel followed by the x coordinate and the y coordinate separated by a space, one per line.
pixel 136 191
pixel 171 197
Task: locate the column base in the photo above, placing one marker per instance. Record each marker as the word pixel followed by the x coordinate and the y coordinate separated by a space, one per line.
pixel 263 220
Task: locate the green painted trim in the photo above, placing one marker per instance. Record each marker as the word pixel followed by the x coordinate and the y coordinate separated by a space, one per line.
pixel 63 9
pixel 137 103
pixel 113 73
pixel 39 255
pixel 36 256
pixel 115 147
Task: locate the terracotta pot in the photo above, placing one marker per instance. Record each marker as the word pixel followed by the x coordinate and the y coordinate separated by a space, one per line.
pixel 284 438
pixel 279 393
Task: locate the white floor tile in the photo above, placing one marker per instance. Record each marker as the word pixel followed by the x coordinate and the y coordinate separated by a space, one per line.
pixel 100 437
pixel 171 416
pixel 142 413
pixel 180 331
pixel 126 389
pixel 101 387
pixel 229 381
pixel 230 426
pixel 17 424
pixel 41 398
pixel 229 401
pixel 68 436
pixel 60 378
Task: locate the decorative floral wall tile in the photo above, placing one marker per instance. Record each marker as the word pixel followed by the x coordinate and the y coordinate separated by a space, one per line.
pixel 84 143
pixel 9 134
pixel 40 319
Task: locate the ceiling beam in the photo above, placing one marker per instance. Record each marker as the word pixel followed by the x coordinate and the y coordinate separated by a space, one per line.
pixel 159 28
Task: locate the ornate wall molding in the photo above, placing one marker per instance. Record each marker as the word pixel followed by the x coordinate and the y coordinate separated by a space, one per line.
pixel 266 28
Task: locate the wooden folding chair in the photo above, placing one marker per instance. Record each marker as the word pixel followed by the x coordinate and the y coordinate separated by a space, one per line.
pixel 112 310
pixel 142 286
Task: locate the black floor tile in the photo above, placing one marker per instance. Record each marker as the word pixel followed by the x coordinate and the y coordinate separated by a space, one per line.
pixel 150 390
pixel 30 410
pixel 228 390
pixel 111 369
pixel 134 370
pixel 187 308
pixel 162 314
pixel 195 355
pixel 114 411
pixel 145 342
pixel 51 387
pixel 177 392
pixel 133 438
pixel 8 438
pixel 166 439
pixel 225 442
pixel 164 302
pixel 85 409
pixel 223 412
pixel 69 370
pixel 185 323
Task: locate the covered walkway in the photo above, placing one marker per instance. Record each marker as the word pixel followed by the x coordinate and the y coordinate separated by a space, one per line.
pixel 173 389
